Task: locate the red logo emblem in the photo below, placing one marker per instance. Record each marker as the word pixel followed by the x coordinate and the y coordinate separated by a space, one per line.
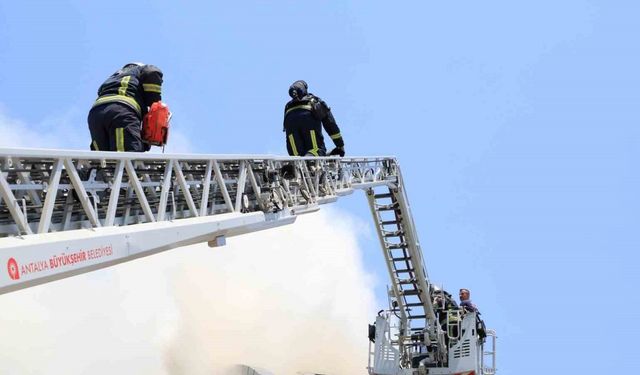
pixel 12 267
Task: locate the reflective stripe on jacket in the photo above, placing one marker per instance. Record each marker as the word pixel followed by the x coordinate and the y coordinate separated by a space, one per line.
pixel 135 86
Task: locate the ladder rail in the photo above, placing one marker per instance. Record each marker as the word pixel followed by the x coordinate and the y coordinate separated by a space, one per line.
pixel 395 287
pixel 419 264
pixel 405 264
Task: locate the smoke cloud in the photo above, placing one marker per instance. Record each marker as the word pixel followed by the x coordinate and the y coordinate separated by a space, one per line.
pixel 291 300
pixel 55 132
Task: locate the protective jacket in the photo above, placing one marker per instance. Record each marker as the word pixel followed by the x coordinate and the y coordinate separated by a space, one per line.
pixel 468 306
pixel 135 85
pixel 303 119
pixel 123 100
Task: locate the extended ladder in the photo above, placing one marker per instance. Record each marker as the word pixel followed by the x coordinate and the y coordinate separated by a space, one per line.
pixel 410 288
pixel 67 212
pixel 64 213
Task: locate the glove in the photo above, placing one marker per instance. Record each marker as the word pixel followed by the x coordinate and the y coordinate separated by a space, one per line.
pixel 337 151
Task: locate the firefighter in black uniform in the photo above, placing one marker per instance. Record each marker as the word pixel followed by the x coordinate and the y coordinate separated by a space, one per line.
pixel 303 116
pixel 123 100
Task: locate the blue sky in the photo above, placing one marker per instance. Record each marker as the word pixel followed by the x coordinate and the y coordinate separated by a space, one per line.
pixel 516 125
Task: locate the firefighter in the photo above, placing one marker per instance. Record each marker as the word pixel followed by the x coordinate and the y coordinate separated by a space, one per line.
pixel 123 101
pixel 465 301
pixel 448 313
pixel 303 116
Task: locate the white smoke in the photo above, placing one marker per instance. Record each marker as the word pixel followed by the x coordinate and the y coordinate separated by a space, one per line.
pixel 54 132
pixel 292 299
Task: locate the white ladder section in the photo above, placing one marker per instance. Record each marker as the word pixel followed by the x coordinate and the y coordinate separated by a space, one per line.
pixel 63 213
pixel 410 288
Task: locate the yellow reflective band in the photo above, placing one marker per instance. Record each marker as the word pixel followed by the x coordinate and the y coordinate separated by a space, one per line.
pixel 314 143
pixel 293 145
pixel 120 139
pixel 150 87
pixel 118 98
pixel 95 146
pixel 336 136
pixel 124 84
pixel 313 140
pixel 303 106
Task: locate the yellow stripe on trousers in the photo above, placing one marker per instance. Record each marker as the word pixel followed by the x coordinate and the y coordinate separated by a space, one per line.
pixel 314 143
pixel 292 142
pixel 120 139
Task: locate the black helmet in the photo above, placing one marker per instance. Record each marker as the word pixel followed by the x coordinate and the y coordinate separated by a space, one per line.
pixel 298 89
pixel 131 65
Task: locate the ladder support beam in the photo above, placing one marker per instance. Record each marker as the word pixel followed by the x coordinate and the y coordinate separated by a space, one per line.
pixel 115 193
pixel 185 189
pixel 139 190
pixel 12 204
pixel 81 192
pixel 205 190
pixel 242 180
pixel 222 186
pixel 50 200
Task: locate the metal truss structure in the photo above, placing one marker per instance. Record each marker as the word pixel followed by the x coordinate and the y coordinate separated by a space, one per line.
pixel 64 213
pixel 58 205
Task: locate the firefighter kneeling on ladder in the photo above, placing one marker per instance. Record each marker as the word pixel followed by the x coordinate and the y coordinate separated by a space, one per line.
pixel 128 96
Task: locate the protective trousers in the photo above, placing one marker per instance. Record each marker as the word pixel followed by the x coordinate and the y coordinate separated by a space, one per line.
pixel 115 127
pixel 304 135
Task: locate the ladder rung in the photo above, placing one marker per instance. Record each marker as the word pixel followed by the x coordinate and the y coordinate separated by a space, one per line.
pixel 394 233
pixel 388 222
pixel 383 195
pixel 393 246
pixel 387 207
pixel 417 316
pixel 414 304
pixel 405 270
pixel 406 281
pixel 400 259
pixel 412 292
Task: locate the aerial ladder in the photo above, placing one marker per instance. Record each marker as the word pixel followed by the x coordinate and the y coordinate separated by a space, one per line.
pixel 65 213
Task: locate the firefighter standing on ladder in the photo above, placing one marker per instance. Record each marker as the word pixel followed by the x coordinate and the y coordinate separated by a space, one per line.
pixel 116 116
pixel 303 116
